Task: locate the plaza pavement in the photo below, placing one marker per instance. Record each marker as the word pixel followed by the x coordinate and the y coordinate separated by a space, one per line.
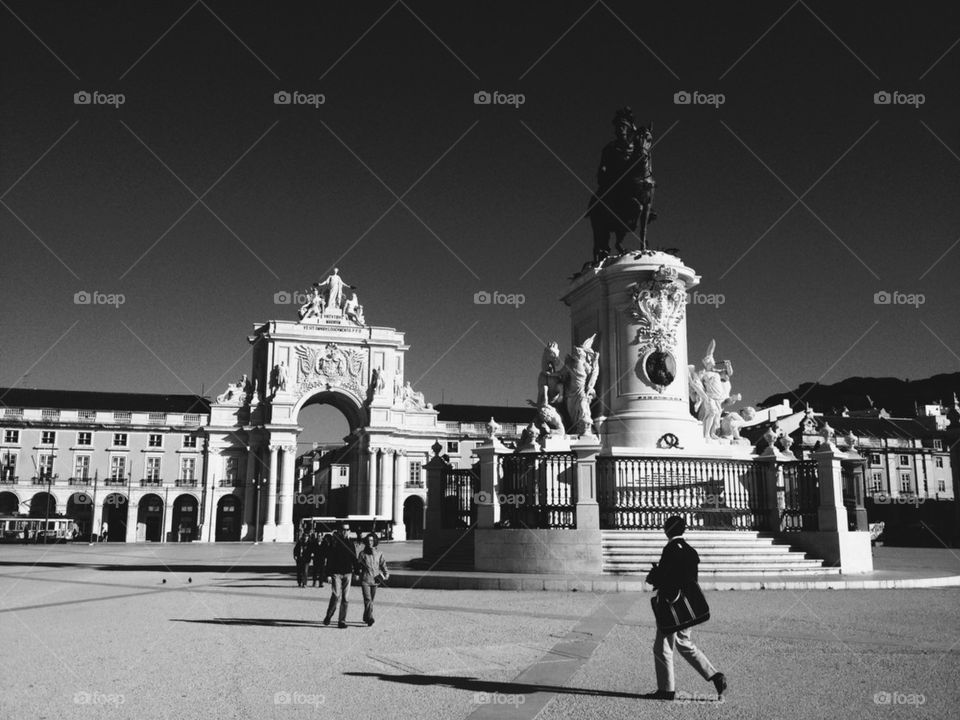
pixel 94 632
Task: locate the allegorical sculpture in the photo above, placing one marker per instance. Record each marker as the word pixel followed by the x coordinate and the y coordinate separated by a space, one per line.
pixel 549 391
pixel 570 385
pixel 328 298
pixel 658 307
pixel 623 201
pixel 710 391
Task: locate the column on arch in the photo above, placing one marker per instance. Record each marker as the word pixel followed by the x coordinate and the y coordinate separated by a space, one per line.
pixel 133 513
pixel 249 511
pixel 270 509
pixel 285 529
pixel 396 497
pixel 370 484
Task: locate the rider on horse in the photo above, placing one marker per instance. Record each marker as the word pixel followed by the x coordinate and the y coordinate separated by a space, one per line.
pixel 625 186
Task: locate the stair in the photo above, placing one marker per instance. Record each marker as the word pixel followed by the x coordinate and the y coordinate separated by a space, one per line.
pixel 722 552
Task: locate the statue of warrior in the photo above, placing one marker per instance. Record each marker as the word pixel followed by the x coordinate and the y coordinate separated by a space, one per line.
pixel 625 184
pixel 580 371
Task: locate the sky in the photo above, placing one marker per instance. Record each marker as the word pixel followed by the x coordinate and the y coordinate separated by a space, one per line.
pixel 183 190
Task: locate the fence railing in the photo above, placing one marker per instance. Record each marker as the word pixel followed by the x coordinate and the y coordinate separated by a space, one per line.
pixel 800 497
pixel 460 488
pixel 538 490
pixel 641 493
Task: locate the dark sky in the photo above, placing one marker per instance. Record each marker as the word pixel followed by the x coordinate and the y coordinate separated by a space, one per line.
pixel 88 204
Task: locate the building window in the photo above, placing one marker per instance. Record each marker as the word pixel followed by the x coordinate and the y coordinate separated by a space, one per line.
pixel 155 440
pixel 153 468
pixel 11 436
pixel 48 437
pixel 119 439
pixel 453 446
pixel 84 438
pixel 81 467
pixel 906 483
pixel 231 468
pixel 875 458
pixel 188 468
pixel 938 462
pixel 189 441
pixel 45 465
pixel 941 485
pixel 876 482
pixel 938 444
pixel 416 471
pixel 8 465
pixel 118 467
pixel 905 461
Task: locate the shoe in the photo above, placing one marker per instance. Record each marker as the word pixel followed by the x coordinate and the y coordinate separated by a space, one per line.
pixel 341 625
pixel 371 621
pixel 720 683
pixel 326 621
pixel 660 695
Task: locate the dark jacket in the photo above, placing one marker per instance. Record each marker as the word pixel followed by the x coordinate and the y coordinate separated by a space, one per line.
pixel 677 567
pixel 341 555
pixel 300 551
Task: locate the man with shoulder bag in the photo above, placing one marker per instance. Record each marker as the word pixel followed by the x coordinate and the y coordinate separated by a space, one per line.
pixel 678 606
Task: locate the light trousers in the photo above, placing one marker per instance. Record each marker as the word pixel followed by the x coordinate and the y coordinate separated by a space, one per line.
pixel 663 647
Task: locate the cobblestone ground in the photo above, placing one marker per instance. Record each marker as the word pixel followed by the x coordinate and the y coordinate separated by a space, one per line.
pixel 96 632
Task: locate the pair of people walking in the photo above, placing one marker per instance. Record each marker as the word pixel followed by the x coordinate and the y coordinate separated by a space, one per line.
pixel 344 559
pixel 679 602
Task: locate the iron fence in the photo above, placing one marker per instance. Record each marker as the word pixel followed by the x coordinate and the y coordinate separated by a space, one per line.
pixel 800 497
pixel 458 509
pixel 538 490
pixel 640 493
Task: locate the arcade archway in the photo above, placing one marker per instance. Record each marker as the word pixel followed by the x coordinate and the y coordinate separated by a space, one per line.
pixel 43 504
pixel 80 510
pixel 150 517
pixel 186 511
pixel 413 517
pixel 9 503
pixel 115 517
pixel 229 516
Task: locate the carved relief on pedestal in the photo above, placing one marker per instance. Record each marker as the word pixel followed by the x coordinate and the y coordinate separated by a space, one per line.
pixel 658 308
pixel 330 367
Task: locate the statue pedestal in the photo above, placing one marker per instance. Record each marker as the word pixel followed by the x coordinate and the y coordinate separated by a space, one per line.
pixel 636 306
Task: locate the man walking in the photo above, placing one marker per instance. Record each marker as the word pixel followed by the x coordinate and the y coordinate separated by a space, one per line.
pixel 315 556
pixel 373 571
pixel 301 556
pixel 676 571
pixel 341 562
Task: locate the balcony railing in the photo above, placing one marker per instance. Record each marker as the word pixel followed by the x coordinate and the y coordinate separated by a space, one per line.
pixel 187 482
pixel 228 482
pixel 9 480
pixel 115 481
pixel 80 481
pixel 151 482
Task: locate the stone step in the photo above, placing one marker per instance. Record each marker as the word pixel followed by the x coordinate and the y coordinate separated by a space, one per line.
pixel 718 550
pixel 748 572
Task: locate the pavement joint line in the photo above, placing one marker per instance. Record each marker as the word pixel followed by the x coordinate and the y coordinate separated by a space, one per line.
pixel 586 636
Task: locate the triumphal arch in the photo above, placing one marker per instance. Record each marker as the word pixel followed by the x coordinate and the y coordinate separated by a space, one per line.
pixel 328 354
